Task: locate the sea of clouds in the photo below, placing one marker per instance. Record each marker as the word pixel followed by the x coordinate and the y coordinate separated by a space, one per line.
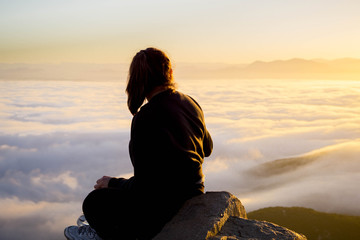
pixel 58 137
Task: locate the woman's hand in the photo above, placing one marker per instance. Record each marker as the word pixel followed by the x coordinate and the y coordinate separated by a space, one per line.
pixel 102 182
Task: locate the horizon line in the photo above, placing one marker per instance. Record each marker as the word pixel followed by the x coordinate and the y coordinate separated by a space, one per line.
pixel 184 62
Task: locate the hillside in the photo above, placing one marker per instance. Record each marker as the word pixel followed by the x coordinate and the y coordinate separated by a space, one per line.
pixel 314 225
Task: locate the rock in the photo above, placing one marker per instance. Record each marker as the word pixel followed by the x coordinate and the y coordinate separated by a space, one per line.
pixel 202 217
pixel 239 228
pixel 219 216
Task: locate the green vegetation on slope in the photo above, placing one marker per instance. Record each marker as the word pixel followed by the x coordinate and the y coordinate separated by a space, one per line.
pixel 314 225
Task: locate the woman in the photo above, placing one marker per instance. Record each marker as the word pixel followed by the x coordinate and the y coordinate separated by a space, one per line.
pixel 169 141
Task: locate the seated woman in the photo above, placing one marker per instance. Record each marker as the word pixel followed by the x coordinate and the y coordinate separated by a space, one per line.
pixel 168 143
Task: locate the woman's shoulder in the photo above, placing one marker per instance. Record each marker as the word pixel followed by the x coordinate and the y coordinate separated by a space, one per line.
pixel 187 98
pixel 168 101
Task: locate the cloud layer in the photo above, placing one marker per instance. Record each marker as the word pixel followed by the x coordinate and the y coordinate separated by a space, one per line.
pixel 288 143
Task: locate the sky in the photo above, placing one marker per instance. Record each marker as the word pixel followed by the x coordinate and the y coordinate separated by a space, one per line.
pixel 228 31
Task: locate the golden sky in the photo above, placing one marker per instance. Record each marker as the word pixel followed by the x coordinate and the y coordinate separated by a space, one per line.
pixel 229 31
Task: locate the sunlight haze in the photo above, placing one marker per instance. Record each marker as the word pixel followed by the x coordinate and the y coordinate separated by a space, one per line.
pixel 229 31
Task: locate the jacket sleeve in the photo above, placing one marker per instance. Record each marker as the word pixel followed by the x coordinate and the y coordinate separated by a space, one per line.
pixel 123 183
pixel 207 144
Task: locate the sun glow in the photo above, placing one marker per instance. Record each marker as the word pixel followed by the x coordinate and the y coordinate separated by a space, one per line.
pixel 234 31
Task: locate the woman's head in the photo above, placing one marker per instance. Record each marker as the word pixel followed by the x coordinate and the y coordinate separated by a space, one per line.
pixel 150 68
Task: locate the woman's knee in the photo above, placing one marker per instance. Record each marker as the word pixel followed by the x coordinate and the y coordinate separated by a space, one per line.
pixel 94 200
pixel 106 199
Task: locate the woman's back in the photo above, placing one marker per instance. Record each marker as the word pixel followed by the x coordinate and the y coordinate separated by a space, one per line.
pixel 168 144
pixel 169 141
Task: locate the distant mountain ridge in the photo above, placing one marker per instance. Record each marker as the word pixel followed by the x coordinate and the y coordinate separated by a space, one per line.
pixel 296 68
pixel 306 68
pixel 313 224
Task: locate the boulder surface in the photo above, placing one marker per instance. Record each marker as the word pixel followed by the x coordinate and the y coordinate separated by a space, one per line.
pixel 220 216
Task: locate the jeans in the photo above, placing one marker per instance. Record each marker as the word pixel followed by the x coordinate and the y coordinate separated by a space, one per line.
pixel 118 214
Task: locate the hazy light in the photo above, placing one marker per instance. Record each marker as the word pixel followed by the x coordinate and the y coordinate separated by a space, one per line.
pixel 192 31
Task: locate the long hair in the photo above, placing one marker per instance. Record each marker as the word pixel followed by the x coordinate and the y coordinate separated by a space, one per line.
pixel 149 68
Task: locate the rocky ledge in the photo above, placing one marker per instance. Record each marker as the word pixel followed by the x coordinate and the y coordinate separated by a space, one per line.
pixel 220 216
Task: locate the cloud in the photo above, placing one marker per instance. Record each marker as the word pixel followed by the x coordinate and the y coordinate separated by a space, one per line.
pixel 64 178
pixel 277 120
pixel 322 179
pixel 68 134
pixel 36 220
pixel 54 167
pixel 62 106
pixel 44 178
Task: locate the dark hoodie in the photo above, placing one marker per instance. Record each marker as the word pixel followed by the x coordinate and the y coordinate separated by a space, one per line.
pixel 169 141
